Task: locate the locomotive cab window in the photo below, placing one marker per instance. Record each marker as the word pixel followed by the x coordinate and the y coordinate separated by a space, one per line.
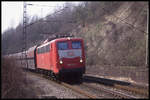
pixel 44 49
pixel 38 50
pixel 62 45
pixel 76 45
pixel 47 48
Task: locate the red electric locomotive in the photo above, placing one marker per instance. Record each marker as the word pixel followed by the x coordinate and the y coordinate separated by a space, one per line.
pixel 61 56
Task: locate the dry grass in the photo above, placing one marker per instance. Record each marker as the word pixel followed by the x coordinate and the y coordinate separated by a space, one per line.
pixel 14 83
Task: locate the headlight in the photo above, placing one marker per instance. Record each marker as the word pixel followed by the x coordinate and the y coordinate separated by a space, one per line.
pixel 81 60
pixel 60 62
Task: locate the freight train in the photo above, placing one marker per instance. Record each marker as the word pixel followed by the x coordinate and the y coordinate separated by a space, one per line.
pixel 60 57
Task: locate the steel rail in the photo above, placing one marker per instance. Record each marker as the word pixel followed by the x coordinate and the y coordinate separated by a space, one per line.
pixel 141 90
pixel 135 90
pixel 115 93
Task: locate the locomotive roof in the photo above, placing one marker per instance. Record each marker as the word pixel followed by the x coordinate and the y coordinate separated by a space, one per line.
pixel 44 44
pixel 57 39
pixel 67 38
pixel 32 48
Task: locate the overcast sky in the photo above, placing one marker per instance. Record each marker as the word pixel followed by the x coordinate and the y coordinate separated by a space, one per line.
pixel 12 12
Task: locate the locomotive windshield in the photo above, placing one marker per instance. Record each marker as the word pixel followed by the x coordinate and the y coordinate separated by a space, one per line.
pixel 76 45
pixel 62 46
pixel 69 49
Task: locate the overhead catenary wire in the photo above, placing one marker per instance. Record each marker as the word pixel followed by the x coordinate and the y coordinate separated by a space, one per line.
pixel 42 19
pixel 123 20
pixel 42 5
pixel 147 41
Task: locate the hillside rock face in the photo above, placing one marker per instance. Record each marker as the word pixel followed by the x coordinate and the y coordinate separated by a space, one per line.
pixel 118 39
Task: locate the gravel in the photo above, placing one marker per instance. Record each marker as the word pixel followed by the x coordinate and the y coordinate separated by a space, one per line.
pixel 48 89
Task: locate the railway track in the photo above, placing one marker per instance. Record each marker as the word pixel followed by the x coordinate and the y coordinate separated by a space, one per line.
pixel 133 88
pixel 79 91
pixel 110 93
pixel 114 94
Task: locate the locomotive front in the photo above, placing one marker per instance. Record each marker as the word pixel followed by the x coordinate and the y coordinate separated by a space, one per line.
pixel 71 58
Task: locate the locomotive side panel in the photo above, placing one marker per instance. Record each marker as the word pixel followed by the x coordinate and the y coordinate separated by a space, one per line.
pixel 50 58
pixel 54 59
pixel 43 57
pixel 43 61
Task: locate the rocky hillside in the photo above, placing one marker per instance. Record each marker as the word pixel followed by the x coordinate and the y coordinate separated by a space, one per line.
pixel 117 38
